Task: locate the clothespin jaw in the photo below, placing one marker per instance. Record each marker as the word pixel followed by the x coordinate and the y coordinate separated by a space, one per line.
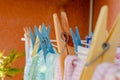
pixel 45 43
pixel 65 28
pixel 76 38
pixel 112 40
pixel 45 31
pixel 35 33
pixel 48 30
pixel 60 43
pixel 106 52
pixel 32 36
pixel 37 39
pixel 37 46
pixel 88 40
pixel 96 44
pixel 61 28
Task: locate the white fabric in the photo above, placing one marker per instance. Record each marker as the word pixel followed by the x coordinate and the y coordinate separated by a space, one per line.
pixel 82 52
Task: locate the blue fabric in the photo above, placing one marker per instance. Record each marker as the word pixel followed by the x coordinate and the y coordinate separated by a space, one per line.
pixel 27 67
pixel 40 70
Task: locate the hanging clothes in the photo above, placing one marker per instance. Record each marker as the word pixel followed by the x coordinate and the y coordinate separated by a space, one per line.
pixel 117 58
pixel 57 71
pixel 28 51
pixel 106 71
pixel 73 68
pixel 41 70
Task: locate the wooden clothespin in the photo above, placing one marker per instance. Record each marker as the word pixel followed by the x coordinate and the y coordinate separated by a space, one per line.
pixel 61 28
pixel 102 49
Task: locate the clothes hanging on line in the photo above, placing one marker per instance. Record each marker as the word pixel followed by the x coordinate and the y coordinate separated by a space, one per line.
pixel 74 62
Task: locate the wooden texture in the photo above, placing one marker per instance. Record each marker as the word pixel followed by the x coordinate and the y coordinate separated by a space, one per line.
pixel 60 43
pixel 59 30
pixel 113 39
pixel 97 41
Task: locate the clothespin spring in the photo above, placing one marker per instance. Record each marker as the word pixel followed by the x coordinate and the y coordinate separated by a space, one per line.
pixel 65 37
pixel 45 41
pixel 105 47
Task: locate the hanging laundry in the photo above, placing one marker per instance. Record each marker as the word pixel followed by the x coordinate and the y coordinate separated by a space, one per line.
pixel 43 63
pixel 107 71
pixel 41 70
pixel 117 58
pixel 57 71
pixel 73 68
pixel 82 52
pixel 28 51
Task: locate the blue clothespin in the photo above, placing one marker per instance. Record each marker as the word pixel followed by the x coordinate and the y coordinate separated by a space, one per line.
pixel 88 40
pixel 33 37
pixel 76 38
pixel 35 33
pixel 45 31
pixel 45 43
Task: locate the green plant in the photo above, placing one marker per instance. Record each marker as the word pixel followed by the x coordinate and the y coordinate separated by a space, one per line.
pixel 6 67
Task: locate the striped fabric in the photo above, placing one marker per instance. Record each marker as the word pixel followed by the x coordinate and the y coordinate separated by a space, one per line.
pixel 107 71
pixel 78 70
pixel 117 59
pixel 57 72
pixel 69 67
pixel 73 68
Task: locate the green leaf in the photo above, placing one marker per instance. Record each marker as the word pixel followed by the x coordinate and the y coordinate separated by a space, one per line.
pixel 18 55
pixel 12 71
pixel 11 56
pixel 6 67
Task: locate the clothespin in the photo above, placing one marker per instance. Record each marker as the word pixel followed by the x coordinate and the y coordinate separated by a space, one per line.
pixel 32 37
pixel 88 40
pixel 64 45
pixel 35 33
pixel 45 43
pixel 102 49
pixel 37 46
pixel 45 30
pixel 76 38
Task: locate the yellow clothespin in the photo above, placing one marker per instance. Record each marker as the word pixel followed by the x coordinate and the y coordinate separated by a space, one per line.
pixel 63 38
pixel 102 49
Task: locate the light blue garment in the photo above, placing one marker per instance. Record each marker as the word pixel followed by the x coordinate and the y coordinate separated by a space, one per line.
pixel 50 64
pixel 27 49
pixel 27 67
pixel 28 52
pixel 40 70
